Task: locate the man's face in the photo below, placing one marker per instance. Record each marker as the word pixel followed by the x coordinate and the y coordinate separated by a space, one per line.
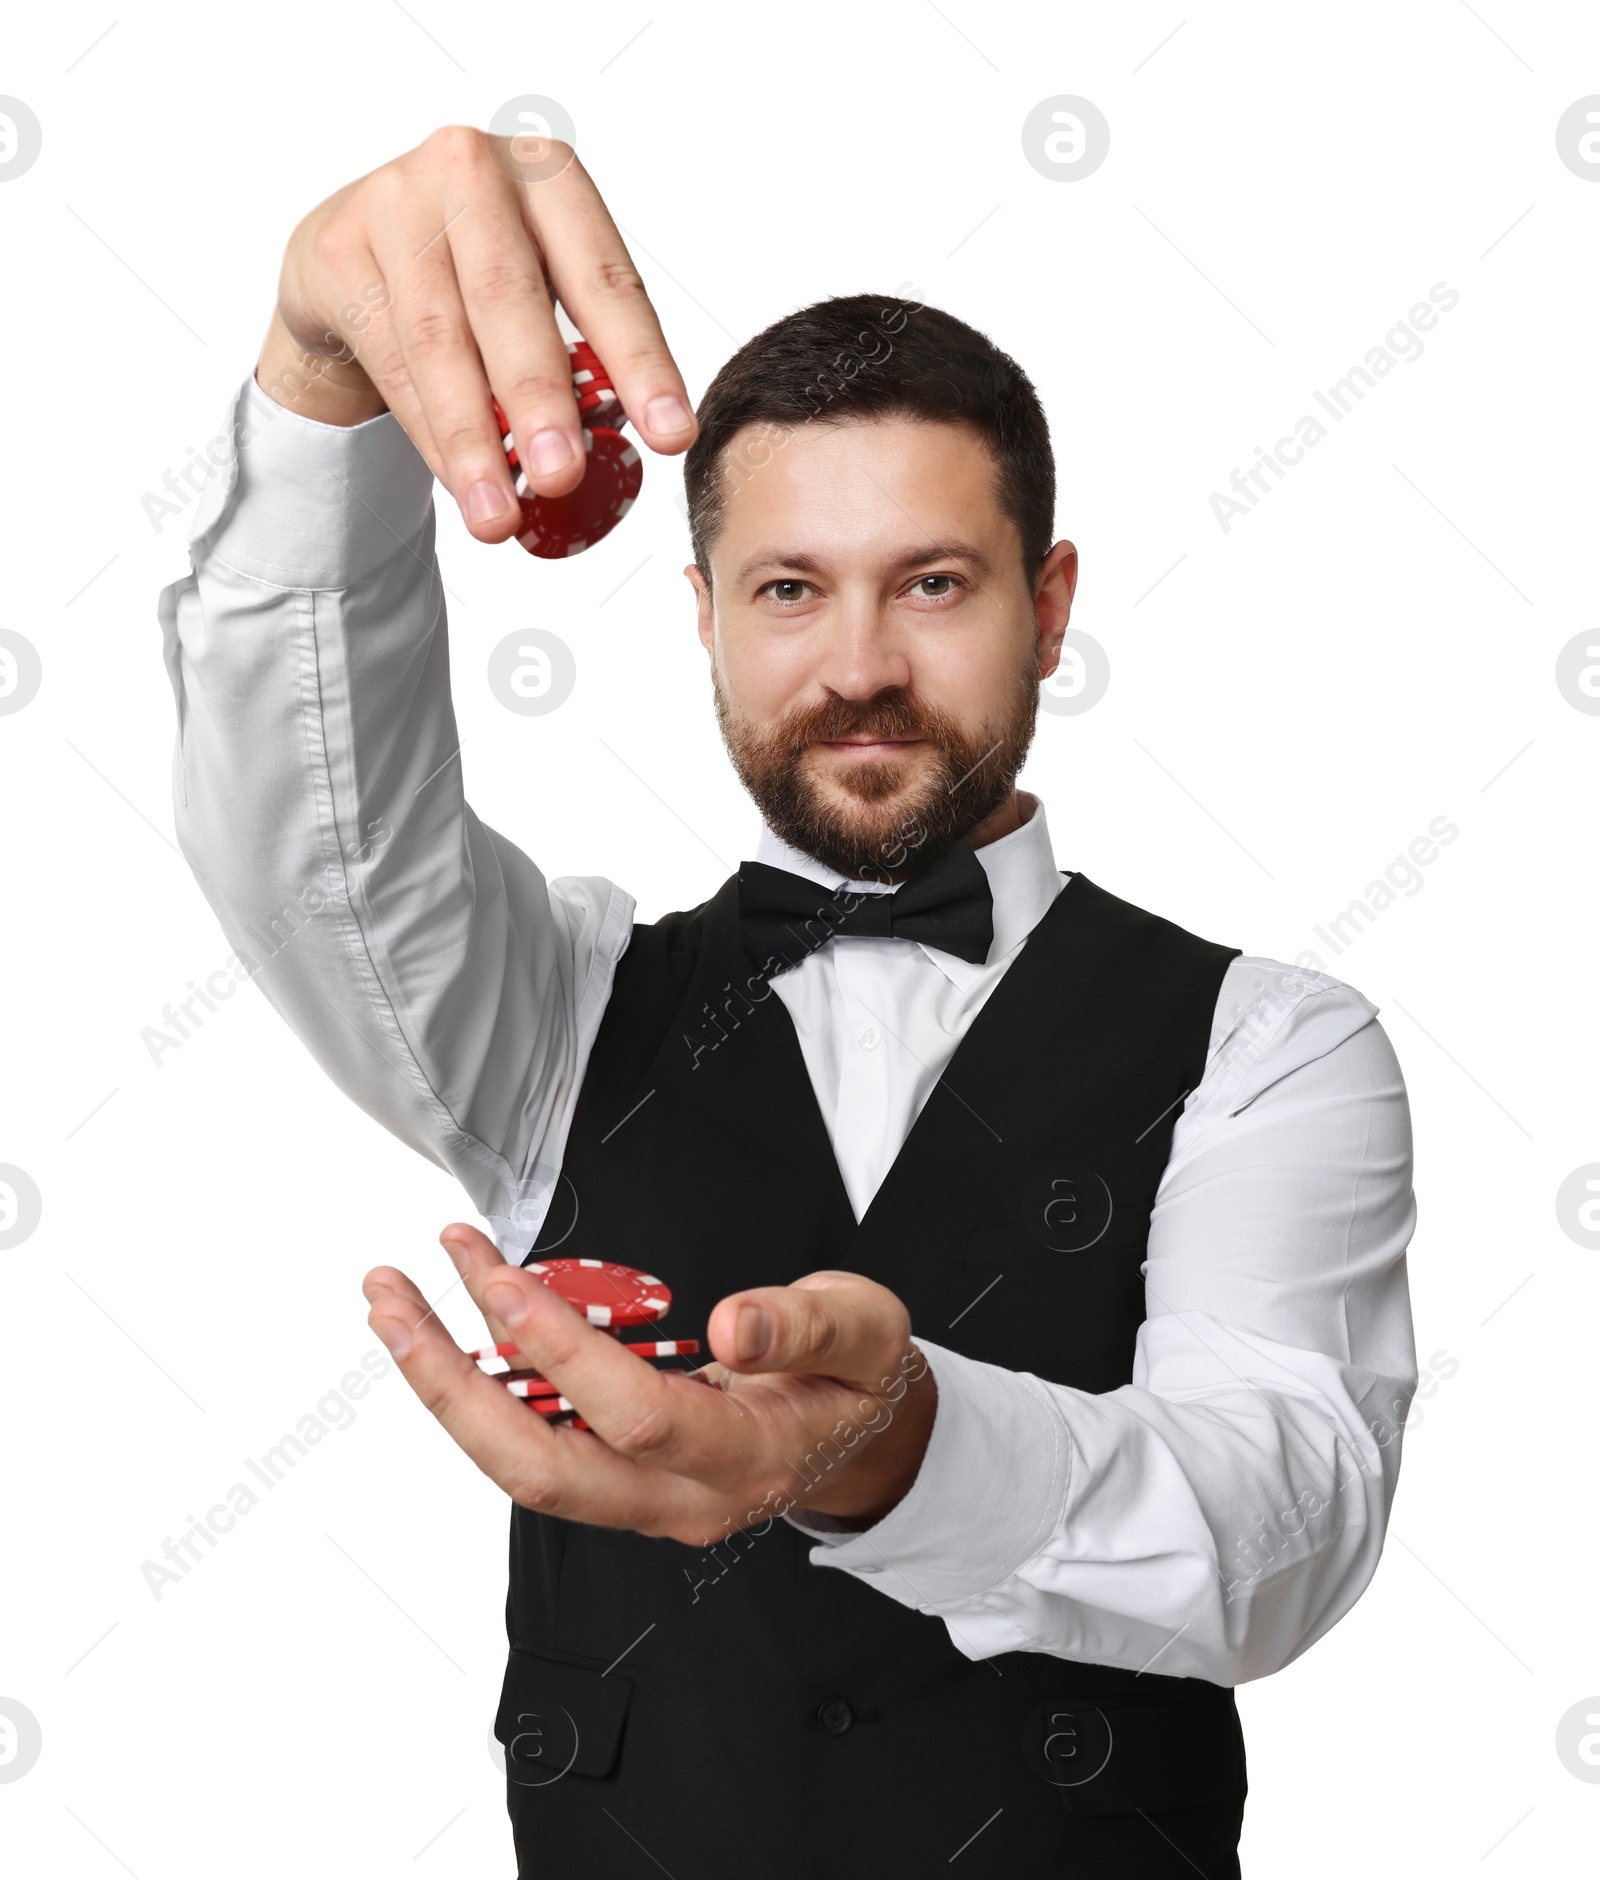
pixel 875 644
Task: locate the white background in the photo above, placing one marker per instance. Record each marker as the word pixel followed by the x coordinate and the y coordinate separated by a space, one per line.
pixel 1372 647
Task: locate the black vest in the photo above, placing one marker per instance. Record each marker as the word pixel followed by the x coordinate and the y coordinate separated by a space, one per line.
pixel 738 1713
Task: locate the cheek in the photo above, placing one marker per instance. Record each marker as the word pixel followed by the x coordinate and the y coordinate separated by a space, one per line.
pixel 971 679
pixel 762 673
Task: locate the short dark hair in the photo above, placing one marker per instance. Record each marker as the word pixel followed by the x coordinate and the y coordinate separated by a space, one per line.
pixel 861 356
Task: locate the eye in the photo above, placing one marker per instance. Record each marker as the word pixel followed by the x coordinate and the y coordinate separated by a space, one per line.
pixel 785 593
pixel 935 587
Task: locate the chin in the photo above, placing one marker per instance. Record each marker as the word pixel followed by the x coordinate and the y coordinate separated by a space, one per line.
pixel 863 821
pixel 871 833
pixel 851 784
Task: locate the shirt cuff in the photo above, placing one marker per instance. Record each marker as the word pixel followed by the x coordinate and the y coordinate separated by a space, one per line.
pixel 987 1498
pixel 307 505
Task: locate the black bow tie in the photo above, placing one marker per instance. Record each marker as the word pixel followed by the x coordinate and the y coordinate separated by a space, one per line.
pixel 948 905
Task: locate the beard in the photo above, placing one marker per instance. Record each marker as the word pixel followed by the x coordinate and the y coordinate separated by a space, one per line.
pixel 885 818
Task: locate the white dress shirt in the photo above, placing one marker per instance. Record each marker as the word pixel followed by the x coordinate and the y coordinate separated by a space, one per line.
pixel 1210 1519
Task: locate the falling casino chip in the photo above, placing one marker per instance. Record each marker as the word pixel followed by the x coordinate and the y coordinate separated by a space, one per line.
pixel 554 527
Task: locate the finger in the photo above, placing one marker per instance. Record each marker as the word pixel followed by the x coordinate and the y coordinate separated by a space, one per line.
pixel 376 347
pixel 513 321
pixel 479 1261
pixel 660 1418
pixel 475 1256
pixel 335 267
pixel 828 1324
pixel 562 1472
pixel 440 359
pixel 594 278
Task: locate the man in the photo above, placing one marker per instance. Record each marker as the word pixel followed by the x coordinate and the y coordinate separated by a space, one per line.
pixel 1053 1257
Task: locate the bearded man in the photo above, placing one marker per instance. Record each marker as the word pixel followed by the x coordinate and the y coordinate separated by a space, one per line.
pixel 1052 1257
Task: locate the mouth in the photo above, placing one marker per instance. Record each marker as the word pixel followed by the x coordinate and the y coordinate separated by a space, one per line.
pixel 861 750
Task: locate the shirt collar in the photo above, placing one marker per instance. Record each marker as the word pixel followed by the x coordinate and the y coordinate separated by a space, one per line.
pixel 1022 878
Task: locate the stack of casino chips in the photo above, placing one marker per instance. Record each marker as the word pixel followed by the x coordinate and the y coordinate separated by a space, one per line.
pixel 614 1299
pixel 554 527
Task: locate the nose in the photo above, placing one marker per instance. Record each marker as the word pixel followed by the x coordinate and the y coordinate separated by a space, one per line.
pixel 865 653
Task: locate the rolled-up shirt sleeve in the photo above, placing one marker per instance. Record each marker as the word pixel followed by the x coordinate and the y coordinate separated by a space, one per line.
pixel 422 958
pixel 1215 1516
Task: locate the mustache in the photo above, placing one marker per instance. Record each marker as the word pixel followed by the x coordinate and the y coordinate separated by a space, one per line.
pixel 896 714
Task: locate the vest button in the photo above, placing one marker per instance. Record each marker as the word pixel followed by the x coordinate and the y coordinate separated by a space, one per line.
pixel 836 1716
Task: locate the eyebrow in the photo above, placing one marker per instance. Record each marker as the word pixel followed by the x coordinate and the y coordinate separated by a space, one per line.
pixel 810 564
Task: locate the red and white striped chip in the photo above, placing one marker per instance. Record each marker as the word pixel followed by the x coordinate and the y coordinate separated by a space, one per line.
pixel 605 1293
pixel 537 1392
pixel 612 1298
pixel 554 527
pixel 489 1359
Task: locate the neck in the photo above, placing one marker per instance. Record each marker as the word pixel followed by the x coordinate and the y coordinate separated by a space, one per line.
pixel 1010 816
pixel 1003 821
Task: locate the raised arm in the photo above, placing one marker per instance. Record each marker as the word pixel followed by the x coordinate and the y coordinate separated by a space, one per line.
pixel 422 958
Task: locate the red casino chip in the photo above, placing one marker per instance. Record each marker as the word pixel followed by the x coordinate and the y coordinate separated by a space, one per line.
pixel 606 1294
pixel 611 1298
pixel 546 1402
pixel 586 366
pixel 488 1359
pixel 601 406
pixel 554 527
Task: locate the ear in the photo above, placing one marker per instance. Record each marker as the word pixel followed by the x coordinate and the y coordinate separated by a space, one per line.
pixel 702 598
pixel 1052 603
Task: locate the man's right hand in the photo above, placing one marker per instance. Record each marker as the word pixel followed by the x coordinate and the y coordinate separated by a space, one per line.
pixel 431 280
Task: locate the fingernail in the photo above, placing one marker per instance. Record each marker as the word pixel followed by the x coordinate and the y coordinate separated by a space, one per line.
pixel 507 1304
pixel 667 413
pixel 550 451
pixel 485 502
pixel 457 1253
pixel 752 1333
pixel 395 1335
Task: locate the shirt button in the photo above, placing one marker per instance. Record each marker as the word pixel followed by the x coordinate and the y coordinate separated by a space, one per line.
pixel 870 1039
pixel 836 1716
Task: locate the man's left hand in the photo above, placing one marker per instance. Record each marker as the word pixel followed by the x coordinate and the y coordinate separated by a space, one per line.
pixel 827 1406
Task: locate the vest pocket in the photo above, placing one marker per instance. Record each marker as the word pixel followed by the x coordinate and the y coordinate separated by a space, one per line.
pixel 1115 1758
pixel 559 1715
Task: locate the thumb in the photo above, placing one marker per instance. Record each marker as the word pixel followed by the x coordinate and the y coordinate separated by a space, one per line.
pixel 827 1324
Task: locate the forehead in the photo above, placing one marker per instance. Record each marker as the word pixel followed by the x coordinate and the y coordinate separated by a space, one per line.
pixel 859 487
